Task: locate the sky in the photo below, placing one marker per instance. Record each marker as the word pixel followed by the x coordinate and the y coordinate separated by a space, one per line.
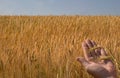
pixel 59 7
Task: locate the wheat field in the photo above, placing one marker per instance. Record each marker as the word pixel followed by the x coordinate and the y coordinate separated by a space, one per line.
pixel 47 46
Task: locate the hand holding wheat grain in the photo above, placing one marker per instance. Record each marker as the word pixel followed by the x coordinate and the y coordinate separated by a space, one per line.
pixel 104 68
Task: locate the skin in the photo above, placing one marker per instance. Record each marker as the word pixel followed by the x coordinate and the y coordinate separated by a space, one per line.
pixel 100 68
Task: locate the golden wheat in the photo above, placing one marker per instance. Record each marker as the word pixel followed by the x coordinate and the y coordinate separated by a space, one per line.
pixel 47 46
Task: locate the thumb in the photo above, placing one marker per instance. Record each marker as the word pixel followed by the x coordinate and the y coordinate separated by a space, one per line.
pixel 83 61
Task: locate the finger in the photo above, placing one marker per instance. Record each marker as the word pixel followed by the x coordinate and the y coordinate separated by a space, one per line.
pixel 103 52
pixel 97 52
pixel 93 43
pixel 83 61
pixel 106 59
pixel 86 51
pixel 90 45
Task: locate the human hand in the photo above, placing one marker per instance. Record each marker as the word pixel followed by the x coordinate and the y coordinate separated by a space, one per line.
pixel 98 69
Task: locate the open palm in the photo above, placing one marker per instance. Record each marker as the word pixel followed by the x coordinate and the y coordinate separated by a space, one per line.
pixel 100 68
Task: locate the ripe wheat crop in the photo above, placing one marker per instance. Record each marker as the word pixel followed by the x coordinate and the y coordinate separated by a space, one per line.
pixel 47 46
